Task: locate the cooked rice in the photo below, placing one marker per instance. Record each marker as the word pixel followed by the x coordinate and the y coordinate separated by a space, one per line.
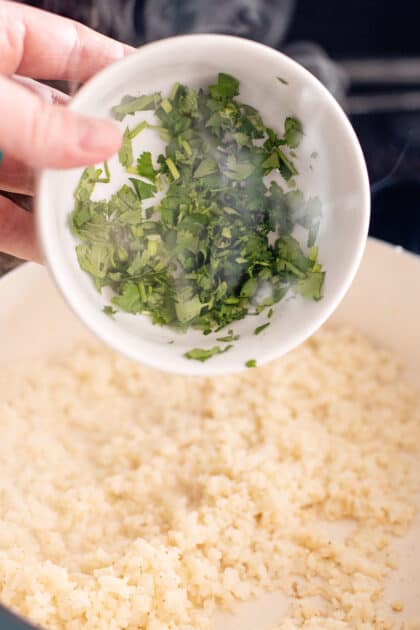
pixel 131 499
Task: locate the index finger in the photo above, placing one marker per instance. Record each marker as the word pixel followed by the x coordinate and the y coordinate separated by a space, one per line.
pixel 46 46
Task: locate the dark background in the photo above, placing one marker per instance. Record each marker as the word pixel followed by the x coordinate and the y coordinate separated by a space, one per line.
pixel 369 29
pixel 359 28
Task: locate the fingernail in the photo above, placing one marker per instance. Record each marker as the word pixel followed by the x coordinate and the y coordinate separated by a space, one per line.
pixel 100 135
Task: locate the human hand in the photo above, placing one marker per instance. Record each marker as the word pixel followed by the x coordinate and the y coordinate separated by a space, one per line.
pixel 37 130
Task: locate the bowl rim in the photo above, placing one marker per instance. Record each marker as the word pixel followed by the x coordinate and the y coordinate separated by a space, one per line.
pixel 181 365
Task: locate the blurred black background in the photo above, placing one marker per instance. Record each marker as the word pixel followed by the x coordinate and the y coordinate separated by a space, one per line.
pixel 367 52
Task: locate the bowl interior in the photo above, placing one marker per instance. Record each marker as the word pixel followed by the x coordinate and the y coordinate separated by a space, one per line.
pixel 330 165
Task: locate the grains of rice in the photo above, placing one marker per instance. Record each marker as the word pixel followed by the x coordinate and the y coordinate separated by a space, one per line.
pixel 130 499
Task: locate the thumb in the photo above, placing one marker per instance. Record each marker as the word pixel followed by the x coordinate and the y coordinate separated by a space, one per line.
pixel 43 135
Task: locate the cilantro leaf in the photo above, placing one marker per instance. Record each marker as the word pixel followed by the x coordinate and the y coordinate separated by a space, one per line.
pixel 188 310
pixel 199 354
pixel 291 256
pixel 310 287
pixel 95 258
pixel 259 329
pixel 271 162
pixel 143 189
pixel 238 170
pixel 293 132
pixel 87 182
pixel 249 288
pixel 131 104
pixel 226 87
pixel 108 310
pixel 206 167
pixel 122 201
pixel 286 166
pixel 125 154
pixel 145 166
pixel 251 363
pixel 129 300
pixel 228 338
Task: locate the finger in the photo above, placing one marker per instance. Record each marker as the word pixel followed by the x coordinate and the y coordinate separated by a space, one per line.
pixel 16 177
pixel 46 46
pixel 47 93
pixel 17 232
pixel 43 135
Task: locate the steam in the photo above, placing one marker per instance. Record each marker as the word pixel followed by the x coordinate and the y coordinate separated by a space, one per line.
pixel 266 21
pixel 316 60
pixel 262 20
pixel 119 22
pixel 116 19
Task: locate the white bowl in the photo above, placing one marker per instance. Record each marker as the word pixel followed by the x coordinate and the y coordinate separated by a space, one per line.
pixel 338 176
pixel 381 304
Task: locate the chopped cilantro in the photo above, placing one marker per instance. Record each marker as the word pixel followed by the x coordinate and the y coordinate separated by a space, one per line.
pixel 311 285
pixel 132 104
pixel 228 338
pixel 145 166
pixel 282 80
pixel 286 166
pixel 172 168
pixel 89 178
pixel 187 310
pixel 238 170
pixel 251 363
pixel 129 300
pixel 125 154
pixel 107 175
pixel 292 132
pixel 166 105
pixel 138 129
pixel 259 329
pixel 143 189
pixel 205 168
pixel 221 233
pixel 108 310
pixel 226 87
pixel 199 354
